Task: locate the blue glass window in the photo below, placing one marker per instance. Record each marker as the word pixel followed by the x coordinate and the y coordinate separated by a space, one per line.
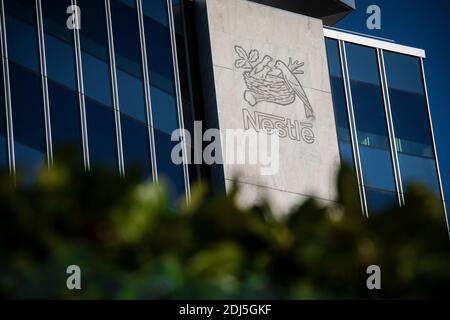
pixel 380 200
pixel 60 55
pixel 60 60
pixel 162 90
pixel 164 111
pixel 156 10
pixel 159 56
pixel 28 120
pixel 55 19
pixel 159 41
pixel 136 148
pixel 128 60
pixel 22 33
pixel 97 79
pixel 339 102
pixel 131 97
pixel 168 172
pixel 65 118
pixel 411 120
pixel 419 170
pixel 94 36
pixel 370 120
pixel 95 54
pixel 101 134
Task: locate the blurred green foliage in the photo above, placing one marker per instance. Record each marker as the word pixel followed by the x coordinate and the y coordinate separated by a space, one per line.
pixel 132 242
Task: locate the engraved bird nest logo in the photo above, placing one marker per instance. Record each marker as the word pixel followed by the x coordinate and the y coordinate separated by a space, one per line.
pixel 271 81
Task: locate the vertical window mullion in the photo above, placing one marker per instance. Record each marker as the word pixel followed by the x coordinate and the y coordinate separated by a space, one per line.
pixel 81 96
pixel 115 92
pixel 390 126
pixel 353 131
pixel 43 66
pixel 7 88
pixel 422 65
pixel 178 97
pixel 148 101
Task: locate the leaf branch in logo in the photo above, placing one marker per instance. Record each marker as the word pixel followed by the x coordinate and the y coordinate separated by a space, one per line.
pixel 246 60
pixel 295 66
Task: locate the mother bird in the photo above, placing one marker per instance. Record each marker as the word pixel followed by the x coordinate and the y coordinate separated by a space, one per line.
pixel 294 84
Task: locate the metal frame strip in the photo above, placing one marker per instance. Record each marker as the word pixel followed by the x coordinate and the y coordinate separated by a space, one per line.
pixel 148 100
pixel 430 119
pixel 7 88
pixel 81 97
pixel 374 43
pixel 353 130
pixel 178 96
pixel 390 126
pixel 45 96
pixel 115 90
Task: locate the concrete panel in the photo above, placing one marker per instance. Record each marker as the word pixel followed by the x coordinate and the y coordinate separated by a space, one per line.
pixel 270 71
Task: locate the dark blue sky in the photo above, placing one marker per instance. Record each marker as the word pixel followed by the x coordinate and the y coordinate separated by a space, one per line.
pixel 422 24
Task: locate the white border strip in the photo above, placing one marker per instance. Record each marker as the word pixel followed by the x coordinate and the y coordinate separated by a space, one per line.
pixel 374 43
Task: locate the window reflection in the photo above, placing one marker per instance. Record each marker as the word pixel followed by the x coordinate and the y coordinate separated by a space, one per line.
pixel 164 119
pixel 27 109
pixel 22 34
pixel 168 172
pixel 28 119
pixel 339 102
pixel 159 56
pixel 65 118
pixel 61 71
pixel 60 56
pixel 97 85
pixel 60 60
pixel 411 120
pixel 95 54
pixel 408 104
pixel 370 118
pixel 136 148
pixel 164 105
pixel 128 59
pixel 97 79
pixel 101 133
pixel 380 200
pixel 131 96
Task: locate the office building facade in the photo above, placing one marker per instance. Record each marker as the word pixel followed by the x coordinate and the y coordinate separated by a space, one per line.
pixel 116 79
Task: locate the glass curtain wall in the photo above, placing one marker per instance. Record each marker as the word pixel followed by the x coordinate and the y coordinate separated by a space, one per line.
pixel 103 122
pixel 410 117
pixel 371 127
pixel 406 102
pixel 98 99
pixel 163 92
pixel 339 102
pixel 26 87
pixel 61 78
pixel 133 113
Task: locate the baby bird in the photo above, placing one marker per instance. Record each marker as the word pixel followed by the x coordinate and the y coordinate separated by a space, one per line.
pixel 263 73
pixel 260 66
